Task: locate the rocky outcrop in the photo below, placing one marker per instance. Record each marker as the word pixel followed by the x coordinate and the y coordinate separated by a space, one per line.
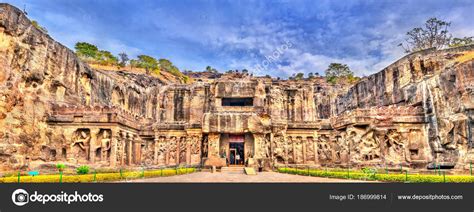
pixel 439 82
pixel 38 73
pixel 416 113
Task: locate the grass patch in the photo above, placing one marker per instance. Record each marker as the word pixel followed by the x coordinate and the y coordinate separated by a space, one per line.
pixel 465 57
pixel 360 175
pixel 99 177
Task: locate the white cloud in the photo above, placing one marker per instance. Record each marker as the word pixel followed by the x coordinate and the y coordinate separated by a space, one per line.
pixel 236 36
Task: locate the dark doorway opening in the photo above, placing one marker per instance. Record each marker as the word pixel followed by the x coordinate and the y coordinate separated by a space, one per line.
pixel 237 101
pixel 236 156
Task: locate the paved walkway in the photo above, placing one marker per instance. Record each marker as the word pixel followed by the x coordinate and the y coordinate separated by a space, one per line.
pixel 262 177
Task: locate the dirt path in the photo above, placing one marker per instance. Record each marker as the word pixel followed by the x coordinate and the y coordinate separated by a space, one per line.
pixel 262 177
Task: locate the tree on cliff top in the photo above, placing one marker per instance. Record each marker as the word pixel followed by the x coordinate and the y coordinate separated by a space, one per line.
pixel 337 71
pixel 169 67
pixel 149 63
pixel 456 42
pixel 434 34
pixel 86 50
pixel 91 53
pixel 106 58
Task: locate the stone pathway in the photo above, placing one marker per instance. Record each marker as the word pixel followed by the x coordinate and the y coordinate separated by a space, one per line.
pixel 261 177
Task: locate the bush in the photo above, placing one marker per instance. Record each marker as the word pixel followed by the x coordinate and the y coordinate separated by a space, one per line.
pixel 371 175
pixel 102 177
pixel 83 170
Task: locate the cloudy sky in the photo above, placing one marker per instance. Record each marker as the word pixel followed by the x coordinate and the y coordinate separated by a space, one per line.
pixel 267 37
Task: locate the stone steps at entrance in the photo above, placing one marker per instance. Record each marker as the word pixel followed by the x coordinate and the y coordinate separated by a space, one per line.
pixel 233 169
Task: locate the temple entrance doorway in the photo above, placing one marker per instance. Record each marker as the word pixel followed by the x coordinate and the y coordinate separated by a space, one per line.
pixel 236 150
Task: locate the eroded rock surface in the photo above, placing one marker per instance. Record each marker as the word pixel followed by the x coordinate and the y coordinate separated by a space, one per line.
pixel 416 113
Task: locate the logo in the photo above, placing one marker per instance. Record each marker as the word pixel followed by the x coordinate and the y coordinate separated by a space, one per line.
pixel 20 197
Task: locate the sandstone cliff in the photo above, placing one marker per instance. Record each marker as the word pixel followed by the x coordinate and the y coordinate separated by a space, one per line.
pixel 417 112
pixel 37 73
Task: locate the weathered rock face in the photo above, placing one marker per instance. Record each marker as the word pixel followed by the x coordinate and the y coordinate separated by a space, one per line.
pixel 440 83
pixel 38 73
pixel 416 112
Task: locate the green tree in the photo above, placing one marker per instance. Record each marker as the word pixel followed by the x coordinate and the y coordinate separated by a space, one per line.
pixel 86 50
pixel 169 67
pixel 106 58
pixel 149 63
pixel 336 71
pixel 210 69
pixel 455 42
pixel 434 34
pixel 299 76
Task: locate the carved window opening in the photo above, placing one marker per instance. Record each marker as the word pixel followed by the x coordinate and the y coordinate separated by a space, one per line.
pixel 243 102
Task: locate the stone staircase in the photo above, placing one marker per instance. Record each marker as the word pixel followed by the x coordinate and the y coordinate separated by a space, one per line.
pixel 233 169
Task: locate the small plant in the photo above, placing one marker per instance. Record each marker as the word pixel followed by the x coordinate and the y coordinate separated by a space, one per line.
pixel 60 167
pixel 370 172
pixel 83 170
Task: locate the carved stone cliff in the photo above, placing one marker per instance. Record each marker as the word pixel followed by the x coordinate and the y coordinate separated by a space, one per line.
pixel 54 108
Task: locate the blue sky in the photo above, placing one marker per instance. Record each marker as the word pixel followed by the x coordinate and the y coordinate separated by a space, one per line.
pixel 266 37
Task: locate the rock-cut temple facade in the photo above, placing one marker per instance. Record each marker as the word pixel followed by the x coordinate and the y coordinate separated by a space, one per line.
pixel 417 112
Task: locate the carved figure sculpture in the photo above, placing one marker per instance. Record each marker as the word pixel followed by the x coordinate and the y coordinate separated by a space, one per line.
pixel 105 144
pixel 83 141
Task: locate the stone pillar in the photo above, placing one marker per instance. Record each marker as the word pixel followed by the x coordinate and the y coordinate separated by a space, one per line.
pixel 161 155
pixel 129 148
pixel 178 150
pixel 333 145
pixel 155 149
pixel 271 147
pixel 188 150
pixel 303 143
pixel 93 144
pixel 173 150
pixel 315 147
pixel 123 140
pixel 113 148
pixel 167 151
pixel 137 147
pixel 295 156
pixel 286 149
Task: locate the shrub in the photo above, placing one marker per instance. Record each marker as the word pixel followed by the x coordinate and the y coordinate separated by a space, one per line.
pixel 83 170
pixel 100 177
pixel 370 175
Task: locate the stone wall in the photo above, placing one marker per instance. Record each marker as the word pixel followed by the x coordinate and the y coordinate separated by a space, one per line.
pixel 417 112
